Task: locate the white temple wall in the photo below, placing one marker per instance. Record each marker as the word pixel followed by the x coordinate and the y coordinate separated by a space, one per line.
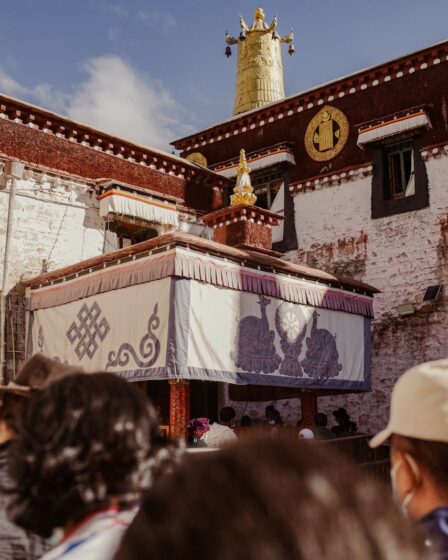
pixel 55 223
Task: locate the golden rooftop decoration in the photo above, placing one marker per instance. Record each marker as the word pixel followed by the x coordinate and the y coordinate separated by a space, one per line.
pixel 260 70
pixel 198 159
pixel 244 193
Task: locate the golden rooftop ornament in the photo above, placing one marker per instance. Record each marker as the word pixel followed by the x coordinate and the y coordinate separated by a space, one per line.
pixel 260 70
pixel 244 193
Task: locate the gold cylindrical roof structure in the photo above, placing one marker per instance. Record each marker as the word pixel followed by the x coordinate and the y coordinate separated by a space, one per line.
pixel 260 69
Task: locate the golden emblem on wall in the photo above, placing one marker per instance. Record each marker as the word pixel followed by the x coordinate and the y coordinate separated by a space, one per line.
pixel 326 134
pixel 198 158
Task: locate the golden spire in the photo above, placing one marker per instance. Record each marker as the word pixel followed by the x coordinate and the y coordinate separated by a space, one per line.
pixel 244 193
pixel 260 70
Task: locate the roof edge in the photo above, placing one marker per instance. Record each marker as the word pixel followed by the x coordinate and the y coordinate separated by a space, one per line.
pixel 313 89
pixel 204 246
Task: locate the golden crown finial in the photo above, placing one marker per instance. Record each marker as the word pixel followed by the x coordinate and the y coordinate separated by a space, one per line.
pixel 243 191
pixel 259 78
pixel 259 14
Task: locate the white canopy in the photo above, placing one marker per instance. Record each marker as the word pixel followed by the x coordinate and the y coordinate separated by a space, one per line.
pixel 187 315
pixel 393 127
pixel 259 162
pixel 138 206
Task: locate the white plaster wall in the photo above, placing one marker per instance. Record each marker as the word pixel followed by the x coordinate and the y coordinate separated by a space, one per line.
pixel 400 255
pixel 56 223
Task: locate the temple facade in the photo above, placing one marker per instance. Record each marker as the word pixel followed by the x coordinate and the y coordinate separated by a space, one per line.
pixel 358 168
pixel 69 193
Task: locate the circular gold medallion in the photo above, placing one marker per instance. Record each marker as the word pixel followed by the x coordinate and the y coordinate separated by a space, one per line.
pixel 198 158
pixel 326 134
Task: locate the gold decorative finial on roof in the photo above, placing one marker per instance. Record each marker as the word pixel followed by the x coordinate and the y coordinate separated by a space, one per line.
pixel 260 69
pixel 244 192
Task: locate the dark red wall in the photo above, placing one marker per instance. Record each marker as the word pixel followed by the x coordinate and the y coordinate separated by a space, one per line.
pixel 429 86
pixel 43 149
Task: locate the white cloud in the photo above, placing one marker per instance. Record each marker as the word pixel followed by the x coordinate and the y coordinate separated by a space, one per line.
pixel 116 10
pixel 115 98
pixel 10 86
pixel 154 19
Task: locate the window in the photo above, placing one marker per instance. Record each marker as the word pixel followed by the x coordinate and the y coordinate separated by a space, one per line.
pixel 399 183
pixel 128 238
pixel 266 186
pixel 399 178
pixel 130 231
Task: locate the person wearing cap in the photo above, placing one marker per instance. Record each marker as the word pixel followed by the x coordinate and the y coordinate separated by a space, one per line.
pixel 345 426
pixel 38 372
pixel 418 428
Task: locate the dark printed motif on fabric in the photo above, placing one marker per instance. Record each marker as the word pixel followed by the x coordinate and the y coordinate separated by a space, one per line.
pixel 41 339
pixel 254 343
pixel 149 347
pixel 290 323
pixel 84 336
pixel 322 357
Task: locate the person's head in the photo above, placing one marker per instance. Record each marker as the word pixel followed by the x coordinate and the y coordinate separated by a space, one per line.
pixel 38 372
pixel 420 474
pixel 227 416
pixel 418 426
pixel 341 416
pixel 83 443
pixel 269 412
pixel 268 500
pixel 246 421
pixel 321 419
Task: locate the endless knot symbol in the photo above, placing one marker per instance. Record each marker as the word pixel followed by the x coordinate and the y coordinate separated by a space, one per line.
pixel 83 336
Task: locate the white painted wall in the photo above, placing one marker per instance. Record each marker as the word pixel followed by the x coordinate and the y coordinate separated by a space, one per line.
pixel 56 223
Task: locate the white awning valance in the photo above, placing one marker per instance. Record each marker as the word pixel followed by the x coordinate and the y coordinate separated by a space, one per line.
pixel 136 206
pixel 393 127
pixel 259 162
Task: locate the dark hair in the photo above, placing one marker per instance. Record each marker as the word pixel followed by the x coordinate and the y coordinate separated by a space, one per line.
pixel 246 421
pixel 432 456
pixel 82 441
pixel 226 414
pixel 321 419
pixel 269 499
pixel 273 414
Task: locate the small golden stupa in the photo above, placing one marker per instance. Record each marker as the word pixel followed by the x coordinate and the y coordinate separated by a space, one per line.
pixel 260 69
pixel 243 191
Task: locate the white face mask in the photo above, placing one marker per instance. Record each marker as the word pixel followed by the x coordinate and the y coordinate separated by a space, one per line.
pixel 393 478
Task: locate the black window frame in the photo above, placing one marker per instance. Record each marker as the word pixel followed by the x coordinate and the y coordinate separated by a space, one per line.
pixel 268 178
pixel 384 203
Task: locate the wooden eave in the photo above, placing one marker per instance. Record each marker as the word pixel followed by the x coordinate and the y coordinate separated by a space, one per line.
pixel 248 258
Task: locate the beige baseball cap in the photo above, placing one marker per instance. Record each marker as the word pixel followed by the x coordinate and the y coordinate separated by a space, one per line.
pixel 419 404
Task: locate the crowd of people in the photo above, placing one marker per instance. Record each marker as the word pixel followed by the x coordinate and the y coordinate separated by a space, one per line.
pixel 202 433
pixel 86 474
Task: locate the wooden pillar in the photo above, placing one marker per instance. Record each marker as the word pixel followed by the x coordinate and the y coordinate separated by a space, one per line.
pixel 179 407
pixel 308 401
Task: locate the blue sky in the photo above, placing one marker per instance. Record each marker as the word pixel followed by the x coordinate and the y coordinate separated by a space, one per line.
pixel 154 70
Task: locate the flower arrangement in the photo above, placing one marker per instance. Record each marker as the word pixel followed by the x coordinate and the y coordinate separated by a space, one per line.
pixel 196 428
